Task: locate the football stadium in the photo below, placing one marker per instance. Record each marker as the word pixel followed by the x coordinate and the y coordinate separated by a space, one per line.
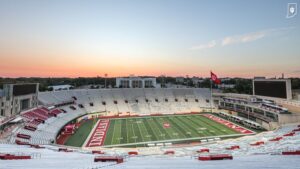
pixel 129 125
pixel 149 84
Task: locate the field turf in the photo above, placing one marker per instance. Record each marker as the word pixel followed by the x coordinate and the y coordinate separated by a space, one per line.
pixel 145 129
pixel 152 128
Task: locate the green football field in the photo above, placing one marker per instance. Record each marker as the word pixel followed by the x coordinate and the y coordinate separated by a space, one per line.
pixel 153 128
pixel 146 129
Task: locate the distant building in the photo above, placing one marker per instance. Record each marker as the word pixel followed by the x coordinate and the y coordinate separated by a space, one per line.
pixel 136 82
pixel 196 80
pixel 170 85
pixel 225 79
pixel 179 79
pixel 259 77
pixel 226 86
pixel 60 87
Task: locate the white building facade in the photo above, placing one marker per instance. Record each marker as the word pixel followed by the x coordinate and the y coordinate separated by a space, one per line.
pixel 136 82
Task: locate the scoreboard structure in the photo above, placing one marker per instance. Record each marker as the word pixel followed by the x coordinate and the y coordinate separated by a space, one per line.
pixel 24 89
pixel 278 88
pixel 18 97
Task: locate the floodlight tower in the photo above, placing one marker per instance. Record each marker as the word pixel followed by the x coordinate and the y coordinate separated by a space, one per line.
pixel 105 80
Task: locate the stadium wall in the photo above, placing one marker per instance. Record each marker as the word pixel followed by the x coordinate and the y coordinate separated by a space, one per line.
pixel 289 118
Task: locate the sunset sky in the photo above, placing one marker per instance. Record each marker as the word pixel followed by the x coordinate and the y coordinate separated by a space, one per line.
pixel 70 38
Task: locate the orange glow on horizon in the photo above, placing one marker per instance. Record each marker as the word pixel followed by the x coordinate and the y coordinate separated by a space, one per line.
pixel 76 72
pixel 77 65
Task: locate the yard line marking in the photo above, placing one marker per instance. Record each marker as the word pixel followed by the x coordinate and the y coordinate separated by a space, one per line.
pixel 120 131
pixel 134 136
pixel 113 135
pixel 127 133
pixel 139 129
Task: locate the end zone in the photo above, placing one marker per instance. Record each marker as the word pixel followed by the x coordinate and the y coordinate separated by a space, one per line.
pixel 229 124
pixel 98 134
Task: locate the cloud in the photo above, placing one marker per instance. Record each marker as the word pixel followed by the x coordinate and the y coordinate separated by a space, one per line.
pixel 253 36
pixel 244 38
pixel 210 44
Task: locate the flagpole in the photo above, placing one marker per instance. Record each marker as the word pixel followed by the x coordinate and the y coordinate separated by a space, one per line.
pixel 211 100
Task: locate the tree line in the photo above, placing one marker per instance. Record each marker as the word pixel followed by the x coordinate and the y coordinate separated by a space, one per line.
pixel 243 86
